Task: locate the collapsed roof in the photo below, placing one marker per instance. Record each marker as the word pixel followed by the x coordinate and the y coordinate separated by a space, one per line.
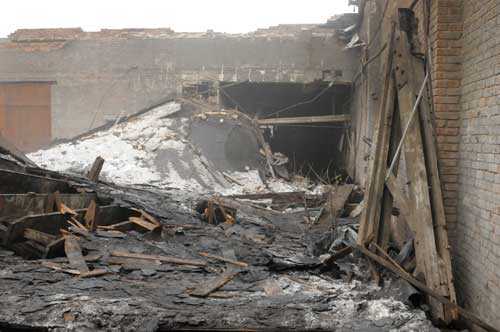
pixel 139 257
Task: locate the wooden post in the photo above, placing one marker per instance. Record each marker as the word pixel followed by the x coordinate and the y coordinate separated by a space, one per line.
pixel 94 172
pixel 427 257
pixel 370 218
pixel 431 159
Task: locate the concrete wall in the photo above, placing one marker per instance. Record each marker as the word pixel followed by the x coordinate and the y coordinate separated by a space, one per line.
pixel 108 74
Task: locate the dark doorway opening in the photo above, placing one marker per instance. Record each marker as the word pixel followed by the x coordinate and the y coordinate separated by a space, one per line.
pixel 314 149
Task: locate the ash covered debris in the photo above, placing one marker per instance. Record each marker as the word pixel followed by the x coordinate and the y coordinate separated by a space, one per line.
pixel 182 235
pixel 172 148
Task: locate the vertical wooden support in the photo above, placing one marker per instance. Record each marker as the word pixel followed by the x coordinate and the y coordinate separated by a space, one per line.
pixel 94 172
pixel 431 159
pixel 429 260
pixel 423 208
pixel 370 218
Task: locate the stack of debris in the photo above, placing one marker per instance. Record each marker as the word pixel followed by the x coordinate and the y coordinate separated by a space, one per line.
pixel 102 256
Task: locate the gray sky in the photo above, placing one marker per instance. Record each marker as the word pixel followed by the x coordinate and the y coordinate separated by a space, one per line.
pixel 180 15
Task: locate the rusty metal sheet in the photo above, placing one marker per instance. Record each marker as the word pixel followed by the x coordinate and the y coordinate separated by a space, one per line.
pixel 25 114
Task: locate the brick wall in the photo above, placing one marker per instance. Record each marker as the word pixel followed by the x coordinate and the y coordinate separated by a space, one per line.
pixel 465 45
pixel 446 43
pixel 477 243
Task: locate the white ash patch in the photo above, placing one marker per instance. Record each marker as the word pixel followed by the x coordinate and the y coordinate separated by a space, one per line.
pixel 153 149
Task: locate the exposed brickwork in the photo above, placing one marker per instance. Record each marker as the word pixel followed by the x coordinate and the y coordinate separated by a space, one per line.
pixel 465 44
pixel 477 252
pixel 445 36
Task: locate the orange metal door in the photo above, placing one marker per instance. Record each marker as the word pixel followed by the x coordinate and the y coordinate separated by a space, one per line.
pixel 25 114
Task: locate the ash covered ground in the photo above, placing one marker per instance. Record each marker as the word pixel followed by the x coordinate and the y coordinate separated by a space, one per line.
pixel 155 162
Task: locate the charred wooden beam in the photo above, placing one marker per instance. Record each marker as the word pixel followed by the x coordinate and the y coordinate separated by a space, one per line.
pixel 339 118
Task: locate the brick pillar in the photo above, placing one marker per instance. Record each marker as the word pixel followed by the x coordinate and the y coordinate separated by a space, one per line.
pixel 445 37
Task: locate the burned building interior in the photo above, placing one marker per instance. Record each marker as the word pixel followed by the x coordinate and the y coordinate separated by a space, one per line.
pixel 342 175
pixel 315 149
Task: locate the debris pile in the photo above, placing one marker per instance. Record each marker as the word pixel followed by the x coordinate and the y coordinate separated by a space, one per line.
pixel 168 149
pixel 108 263
pixel 104 256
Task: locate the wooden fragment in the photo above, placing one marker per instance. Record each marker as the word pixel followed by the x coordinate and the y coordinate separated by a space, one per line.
pixel 59 268
pixel 123 226
pixel 370 218
pixel 74 254
pixel 338 255
pixel 223 259
pixel 424 288
pixel 79 231
pixel 93 174
pixel 89 258
pixel 110 234
pixel 384 230
pixel 51 202
pixel 148 217
pixel 39 237
pixel 338 118
pixel 166 259
pixel 94 273
pixel 66 210
pixel 214 284
pixel 90 215
pixel 76 223
pixel 398 195
pixel 337 198
pixel 144 224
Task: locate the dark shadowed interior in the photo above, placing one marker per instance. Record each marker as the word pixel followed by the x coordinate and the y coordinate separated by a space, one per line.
pixel 313 149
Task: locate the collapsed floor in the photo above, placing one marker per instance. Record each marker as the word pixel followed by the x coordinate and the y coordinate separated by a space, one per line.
pixel 153 256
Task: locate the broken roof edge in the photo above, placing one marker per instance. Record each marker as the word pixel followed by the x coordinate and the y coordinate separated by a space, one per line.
pixel 41 35
pixel 10 149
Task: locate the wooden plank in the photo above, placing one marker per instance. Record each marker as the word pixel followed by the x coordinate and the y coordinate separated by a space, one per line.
pixel 144 224
pixel 123 226
pixel 438 210
pixel 18 205
pixel 384 232
pixel 112 234
pixel 425 242
pixel 74 254
pixel 51 223
pixel 95 170
pixel 214 284
pixel 223 259
pixel 370 218
pixel 20 183
pixel 166 259
pixel 59 268
pixel 337 199
pixel 94 273
pixel 338 118
pixel 148 217
pixel 39 237
pixel 90 215
pixel 66 210
pixel 400 198
pixel 424 288
pixel 48 223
